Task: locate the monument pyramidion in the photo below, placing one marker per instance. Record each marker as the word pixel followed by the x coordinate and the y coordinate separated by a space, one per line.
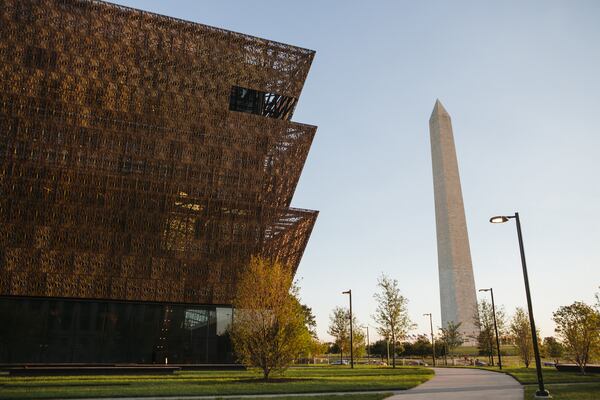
pixel 457 284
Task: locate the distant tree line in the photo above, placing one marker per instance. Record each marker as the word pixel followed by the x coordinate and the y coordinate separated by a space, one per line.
pixel 577 330
pixel 272 329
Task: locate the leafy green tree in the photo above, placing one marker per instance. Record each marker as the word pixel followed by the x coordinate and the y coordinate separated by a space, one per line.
pixel 379 348
pixel 552 348
pixel 332 348
pixel 268 330
pixel 314 348
pixel 359 341
pixel 578 325
pixel 484 320
pixel 451 336
pixel 339 328
pixel 400 348
pixel 520 331
pixel 309 320
pixel 391 314
pixel 420 347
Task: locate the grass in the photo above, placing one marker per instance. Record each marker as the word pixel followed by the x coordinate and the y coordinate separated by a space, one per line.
pixel 562 385
pixel 568 392
pixel 188 383
pixel 528 376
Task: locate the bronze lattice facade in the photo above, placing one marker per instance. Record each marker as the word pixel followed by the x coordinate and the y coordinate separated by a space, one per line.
pixel 143 158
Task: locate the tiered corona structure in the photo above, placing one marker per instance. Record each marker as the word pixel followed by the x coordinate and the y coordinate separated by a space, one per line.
pixel 143 161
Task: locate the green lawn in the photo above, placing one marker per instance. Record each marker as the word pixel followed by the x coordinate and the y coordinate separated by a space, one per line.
pixel 569 392
pixel 551 375
pixel 583 387
pixel 296 380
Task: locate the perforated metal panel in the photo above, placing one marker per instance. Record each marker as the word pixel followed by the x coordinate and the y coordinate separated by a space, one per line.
pixel 123 172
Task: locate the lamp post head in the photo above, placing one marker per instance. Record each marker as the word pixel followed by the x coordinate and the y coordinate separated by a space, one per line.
pixel 427 315
pixel 349 291
pixel 499 219
pixel 485 290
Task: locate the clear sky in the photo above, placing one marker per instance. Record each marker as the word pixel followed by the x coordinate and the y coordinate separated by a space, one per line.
pixel 521 81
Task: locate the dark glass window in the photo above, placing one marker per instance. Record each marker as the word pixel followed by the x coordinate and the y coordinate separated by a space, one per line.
pixel 245 100
pixel 84 316
pixel 52 331
pixel 270 105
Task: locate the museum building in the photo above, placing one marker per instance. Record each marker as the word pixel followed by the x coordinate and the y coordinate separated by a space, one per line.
pixel 143 161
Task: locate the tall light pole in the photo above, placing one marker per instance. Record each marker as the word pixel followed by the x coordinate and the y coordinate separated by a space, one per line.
pixel 542 392
pixel 432 341
pixel 495 326
pixel 349 293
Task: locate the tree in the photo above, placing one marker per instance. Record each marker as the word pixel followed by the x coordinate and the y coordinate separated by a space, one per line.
pixel 268 330
pixel 314 348
pixel 484 320
pixel 379 348
pixel 358 340
pixel 339 328
pixel 391 314
pixel 332 348
pixel 451 336
pixel 552 347
pixel 520 331
pixel 420 347
pixel 309 320
pixel 578 325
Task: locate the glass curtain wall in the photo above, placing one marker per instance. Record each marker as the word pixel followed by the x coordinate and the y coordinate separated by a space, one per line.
pixel 78 331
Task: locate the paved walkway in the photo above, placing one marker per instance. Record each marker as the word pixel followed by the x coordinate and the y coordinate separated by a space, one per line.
pixel 464 384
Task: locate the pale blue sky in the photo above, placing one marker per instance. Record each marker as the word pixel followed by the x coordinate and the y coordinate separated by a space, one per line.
pixel 521 81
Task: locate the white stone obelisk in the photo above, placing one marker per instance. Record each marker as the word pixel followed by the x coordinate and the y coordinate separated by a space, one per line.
pixel 457 284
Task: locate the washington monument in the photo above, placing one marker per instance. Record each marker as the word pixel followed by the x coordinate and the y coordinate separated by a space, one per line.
pixel 457 285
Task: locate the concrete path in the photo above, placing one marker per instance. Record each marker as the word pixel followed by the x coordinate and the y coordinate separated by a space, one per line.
pixel 464 384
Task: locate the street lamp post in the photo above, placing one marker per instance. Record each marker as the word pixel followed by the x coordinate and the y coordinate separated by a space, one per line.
pixel 432 341
pixel 495 325
pixel 542 392
pixel 349 293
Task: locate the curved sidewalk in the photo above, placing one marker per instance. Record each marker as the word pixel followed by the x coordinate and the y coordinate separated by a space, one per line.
pixel 464 384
